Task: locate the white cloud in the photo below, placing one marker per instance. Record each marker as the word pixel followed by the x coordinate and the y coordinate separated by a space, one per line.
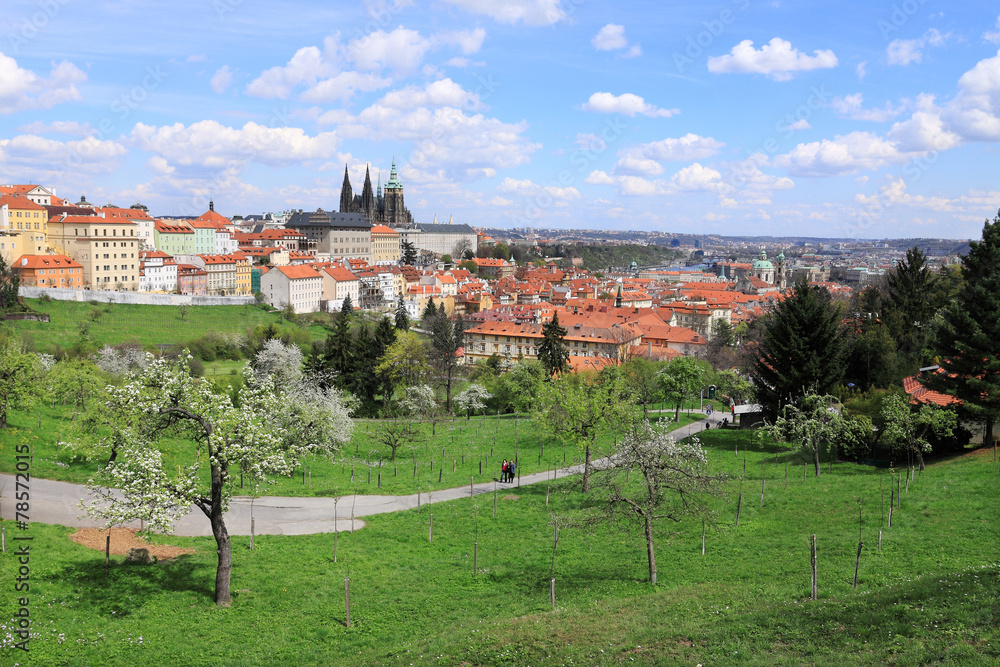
pixel 974 114
pixel 343 86
pixel 851 106
pixel 209 144
pixel 222 79
pixel 598 177
pixel 776 59
pixel 21 89
pixel 401 50
pixel 68 127
pixel 696 178
pixel 844 154
pixel 336 72
pixel 529 12
pixel 468 41
pixel 445 139
pixel 28 157
pixel 627 105
pixel 308 65
pixel 527 188
pixel 907 51
pixel 612 38
pixel 441 93
pixel 645 159
pixel 861 70
pixel 800 124
pixel 993 37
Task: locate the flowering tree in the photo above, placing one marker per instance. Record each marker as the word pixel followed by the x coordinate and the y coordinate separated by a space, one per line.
pixel 907 430
pixel 18 370
pixel 263 431
pixel 671 481
pixel 281 362
pixel 120 362
pixel 473 398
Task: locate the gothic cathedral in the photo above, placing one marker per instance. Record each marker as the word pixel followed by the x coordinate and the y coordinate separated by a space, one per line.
pixel 378 208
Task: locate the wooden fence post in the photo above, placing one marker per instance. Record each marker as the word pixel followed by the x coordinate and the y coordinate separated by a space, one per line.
pixel 857 564
pixel 702 537
pixel 347 600
pixel 812 562
pixel 430 530
pixel 107 553
pixel 739 504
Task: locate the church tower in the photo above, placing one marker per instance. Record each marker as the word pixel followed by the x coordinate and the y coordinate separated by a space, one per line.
pixel 346 195
pixel 395 209
pixel 368 197
pixel 780 280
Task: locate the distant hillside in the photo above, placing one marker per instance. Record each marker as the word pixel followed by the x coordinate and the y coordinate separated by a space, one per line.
pixel 601 257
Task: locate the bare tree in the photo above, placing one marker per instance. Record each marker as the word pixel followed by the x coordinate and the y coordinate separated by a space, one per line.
pixel 671 481
pixel 395 432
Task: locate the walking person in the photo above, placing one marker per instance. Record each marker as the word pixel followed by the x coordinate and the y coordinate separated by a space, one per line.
pixel 511 469
pixel 503 472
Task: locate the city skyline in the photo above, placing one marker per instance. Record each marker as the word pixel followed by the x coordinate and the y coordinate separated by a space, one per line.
pixel 738 118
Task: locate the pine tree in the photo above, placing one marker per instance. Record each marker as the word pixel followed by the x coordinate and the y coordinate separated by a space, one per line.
pixel 402 319
pixel 430 310
pixel 552 350
pixel 348 307
pixel 409 253
pixel 338 357
pixel 801 351
pixel 969 336
pixel 908 308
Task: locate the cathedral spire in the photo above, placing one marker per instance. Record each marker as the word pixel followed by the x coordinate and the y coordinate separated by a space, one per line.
pixel 368 197
pixel 346 195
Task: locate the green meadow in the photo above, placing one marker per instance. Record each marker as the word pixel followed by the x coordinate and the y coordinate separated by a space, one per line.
pixel 929 593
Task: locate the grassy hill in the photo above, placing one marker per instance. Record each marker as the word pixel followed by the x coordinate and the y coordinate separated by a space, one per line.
pixel 929 593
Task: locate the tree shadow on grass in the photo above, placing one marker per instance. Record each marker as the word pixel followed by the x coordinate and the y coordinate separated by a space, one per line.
pixel 127 586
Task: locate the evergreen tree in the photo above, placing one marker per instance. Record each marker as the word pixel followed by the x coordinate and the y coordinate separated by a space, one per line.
pixel 385 334
pixel 801 350
pixel 9 283
pixel 409 253
pixel 446 338
pixel 907 308
pixel 402 319
pixel 348 307
pixel 552 350
pixel 969 335
pixel 430 310
pixel 338 357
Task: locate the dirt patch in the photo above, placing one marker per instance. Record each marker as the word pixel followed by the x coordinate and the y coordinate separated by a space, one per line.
pixel 511 496
pixel 123 539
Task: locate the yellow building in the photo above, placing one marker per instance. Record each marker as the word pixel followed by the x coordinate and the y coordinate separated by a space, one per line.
pixel 107 248
pixel 23 227
pixel 385 245
pixel 243 264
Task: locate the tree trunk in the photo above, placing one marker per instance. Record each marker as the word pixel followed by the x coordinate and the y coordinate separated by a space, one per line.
pixel 650 550
pixel 225 567
pixel 586 470
pixel 920 459
pixel 3 419
pixel 816 458
pixel 677 414
pixel 987 433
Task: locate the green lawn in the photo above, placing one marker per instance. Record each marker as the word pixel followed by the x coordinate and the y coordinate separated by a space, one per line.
pixel 149 325
pixel 931 594
pixel 446 459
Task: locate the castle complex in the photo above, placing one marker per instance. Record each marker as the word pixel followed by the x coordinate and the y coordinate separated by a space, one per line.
pixel 378 207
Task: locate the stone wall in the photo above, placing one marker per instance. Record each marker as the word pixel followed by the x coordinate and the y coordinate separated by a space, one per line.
pixel 145 298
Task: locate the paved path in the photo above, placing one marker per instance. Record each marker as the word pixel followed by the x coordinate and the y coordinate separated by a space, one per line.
pixel 59 503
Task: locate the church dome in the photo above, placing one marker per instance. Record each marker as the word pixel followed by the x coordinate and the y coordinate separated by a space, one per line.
pixel 763 262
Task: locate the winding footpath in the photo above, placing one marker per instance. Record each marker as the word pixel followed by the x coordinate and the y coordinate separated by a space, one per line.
pixel 59 503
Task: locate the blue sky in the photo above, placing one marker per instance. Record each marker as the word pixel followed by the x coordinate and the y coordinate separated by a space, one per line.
pixel 849 119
